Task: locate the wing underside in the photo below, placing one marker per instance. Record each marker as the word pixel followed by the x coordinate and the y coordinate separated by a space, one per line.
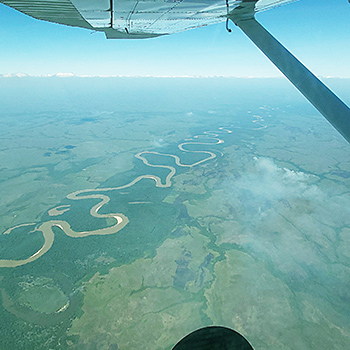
pixel 134 18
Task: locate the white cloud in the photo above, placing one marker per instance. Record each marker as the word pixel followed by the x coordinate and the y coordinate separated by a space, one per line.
pixel 14 75
pixel 64 75
pixel 266 185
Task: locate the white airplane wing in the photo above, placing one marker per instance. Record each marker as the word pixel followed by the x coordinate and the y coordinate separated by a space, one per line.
pixel 134 19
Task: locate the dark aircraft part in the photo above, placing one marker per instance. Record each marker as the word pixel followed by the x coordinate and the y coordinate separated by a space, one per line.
pixel 213 338
pixel 323 99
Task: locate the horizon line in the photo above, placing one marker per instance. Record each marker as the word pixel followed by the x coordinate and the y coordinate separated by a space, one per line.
pixel 72 75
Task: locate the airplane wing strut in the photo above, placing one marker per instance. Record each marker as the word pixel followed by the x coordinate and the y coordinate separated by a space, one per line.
pixel 323 99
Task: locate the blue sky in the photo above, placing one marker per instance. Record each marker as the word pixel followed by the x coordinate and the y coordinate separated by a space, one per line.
pixel 317 32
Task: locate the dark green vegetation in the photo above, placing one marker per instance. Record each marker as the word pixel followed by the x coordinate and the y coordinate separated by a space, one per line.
pixel 256 240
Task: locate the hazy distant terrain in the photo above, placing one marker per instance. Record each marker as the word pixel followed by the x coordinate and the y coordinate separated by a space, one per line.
pixel 234 200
